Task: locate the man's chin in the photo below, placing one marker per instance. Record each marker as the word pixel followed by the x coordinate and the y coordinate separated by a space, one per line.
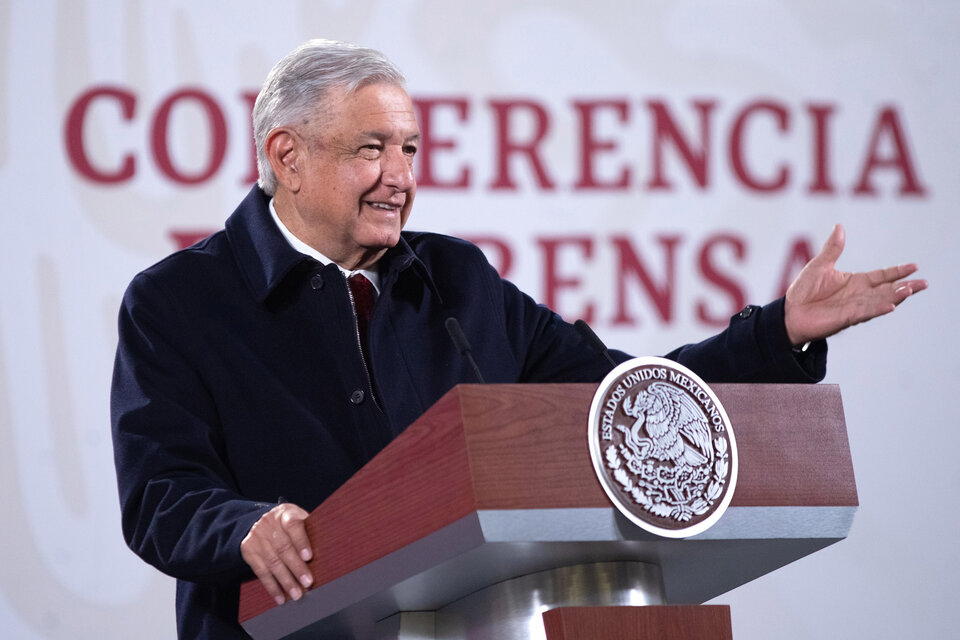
pixel 382 238
pixel 380 243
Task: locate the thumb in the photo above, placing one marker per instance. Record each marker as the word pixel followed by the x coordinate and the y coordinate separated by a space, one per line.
pixel 833 247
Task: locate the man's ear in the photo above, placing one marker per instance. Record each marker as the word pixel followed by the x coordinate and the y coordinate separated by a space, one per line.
pixel 285 150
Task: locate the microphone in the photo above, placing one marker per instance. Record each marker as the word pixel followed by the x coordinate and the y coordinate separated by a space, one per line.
pixel 463 345
pixel 594 340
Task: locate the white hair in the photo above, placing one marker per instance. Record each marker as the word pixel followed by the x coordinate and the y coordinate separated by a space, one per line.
pixel 296 87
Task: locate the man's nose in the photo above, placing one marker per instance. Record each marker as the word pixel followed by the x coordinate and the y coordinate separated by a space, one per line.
pixel 397 169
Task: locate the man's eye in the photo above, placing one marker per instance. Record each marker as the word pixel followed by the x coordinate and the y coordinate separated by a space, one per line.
pixel 410 149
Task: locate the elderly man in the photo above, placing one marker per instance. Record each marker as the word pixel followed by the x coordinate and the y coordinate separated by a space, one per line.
pixel 251 380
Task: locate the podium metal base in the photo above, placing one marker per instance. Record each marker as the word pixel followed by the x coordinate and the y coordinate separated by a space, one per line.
pixel 513 609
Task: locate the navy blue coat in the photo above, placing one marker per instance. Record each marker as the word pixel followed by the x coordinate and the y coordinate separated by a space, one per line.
pixel 239 383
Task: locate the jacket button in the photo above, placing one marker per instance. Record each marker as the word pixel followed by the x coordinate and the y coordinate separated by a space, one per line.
pixel 747 312
pixel 357 396
pixel 316 282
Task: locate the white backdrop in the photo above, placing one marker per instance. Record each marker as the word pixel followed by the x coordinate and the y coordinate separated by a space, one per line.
pixel 660 163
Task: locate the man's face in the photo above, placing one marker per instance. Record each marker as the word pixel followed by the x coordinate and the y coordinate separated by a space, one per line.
pixel 357 183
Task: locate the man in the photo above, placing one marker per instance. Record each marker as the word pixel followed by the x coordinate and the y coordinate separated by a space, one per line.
pixel 249 383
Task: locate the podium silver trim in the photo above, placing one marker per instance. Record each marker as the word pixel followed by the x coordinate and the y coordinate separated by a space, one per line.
pixel 513 609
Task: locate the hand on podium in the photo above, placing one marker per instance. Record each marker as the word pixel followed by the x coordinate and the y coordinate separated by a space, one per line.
pixel 822 301
pixel 277 549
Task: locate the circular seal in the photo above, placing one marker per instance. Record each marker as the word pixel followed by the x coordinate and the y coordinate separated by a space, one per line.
pixel 662 447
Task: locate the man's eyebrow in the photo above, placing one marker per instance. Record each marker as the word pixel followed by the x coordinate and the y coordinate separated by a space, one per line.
pixel 380 135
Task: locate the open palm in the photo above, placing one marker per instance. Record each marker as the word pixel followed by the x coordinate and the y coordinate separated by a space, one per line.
pixel 822 300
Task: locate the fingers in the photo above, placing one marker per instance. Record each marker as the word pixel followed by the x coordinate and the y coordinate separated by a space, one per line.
pixel 891 274
pixel 917 285
pixel 277 549
pixel 886 298
pixel 292 521
pixel 906 289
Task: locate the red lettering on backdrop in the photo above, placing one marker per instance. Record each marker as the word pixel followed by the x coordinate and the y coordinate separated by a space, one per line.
pixel 799 254
pixel 506 146
pixel 430 143
pixel 590 146
pixel 160 136
pixel 553 282
pixel 821 147
pixel 888 126
pixel 502 260
pixel 250 98
pixel 183 238
pixel 782 119
pixel 629 263
pixel 888 149
pixel 73 134
pixel 722 281
pixel 665 128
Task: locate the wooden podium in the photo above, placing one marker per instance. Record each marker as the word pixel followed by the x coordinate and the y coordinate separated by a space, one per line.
pixel 485 519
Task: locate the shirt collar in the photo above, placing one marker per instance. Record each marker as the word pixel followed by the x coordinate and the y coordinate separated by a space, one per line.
pixel 371 274
pixel 265 257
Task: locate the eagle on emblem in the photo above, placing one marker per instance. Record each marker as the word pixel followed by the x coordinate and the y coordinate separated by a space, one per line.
pixel 676 428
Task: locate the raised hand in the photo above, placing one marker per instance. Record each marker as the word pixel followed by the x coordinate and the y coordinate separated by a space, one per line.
pixel 822 301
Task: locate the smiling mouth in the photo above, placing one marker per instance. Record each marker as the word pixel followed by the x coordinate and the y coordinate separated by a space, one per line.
pixel 384 206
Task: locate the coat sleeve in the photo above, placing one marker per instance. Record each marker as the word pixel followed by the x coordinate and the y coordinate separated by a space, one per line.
pixel 754 348
pixel 547 348
pixel 180 509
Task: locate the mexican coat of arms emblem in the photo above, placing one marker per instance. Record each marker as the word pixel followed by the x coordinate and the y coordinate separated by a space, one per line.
pixel 662 447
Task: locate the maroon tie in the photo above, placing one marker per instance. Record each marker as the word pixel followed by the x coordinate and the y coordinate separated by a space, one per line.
pixel 364 295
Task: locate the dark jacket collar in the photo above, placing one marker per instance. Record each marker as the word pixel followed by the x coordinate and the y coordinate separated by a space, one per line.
pixel 265 258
